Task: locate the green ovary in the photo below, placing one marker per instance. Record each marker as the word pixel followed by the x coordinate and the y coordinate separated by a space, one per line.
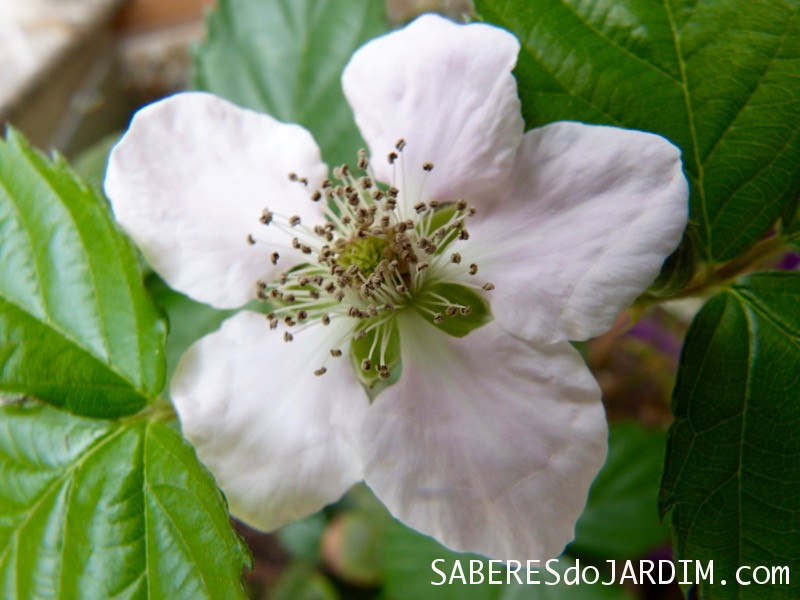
pixel 366 253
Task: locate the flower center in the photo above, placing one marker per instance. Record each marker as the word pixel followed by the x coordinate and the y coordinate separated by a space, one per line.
pixel 376 253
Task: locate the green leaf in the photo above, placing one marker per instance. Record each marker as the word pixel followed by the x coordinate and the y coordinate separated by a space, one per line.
pixel 285 58
pixel 188 320
pixel 621 518
pixel 300 582
pixel 719 78
pixel 97 509
pixel 77 328
pixel 732 478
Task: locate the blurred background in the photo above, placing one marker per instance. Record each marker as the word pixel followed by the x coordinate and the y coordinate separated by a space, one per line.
pixel 72 72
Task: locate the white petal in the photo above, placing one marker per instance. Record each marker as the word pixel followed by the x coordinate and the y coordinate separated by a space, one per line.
pixel 188 182
pixel 446 89
pixel 592 215
pixel 485 443
pixel 280 441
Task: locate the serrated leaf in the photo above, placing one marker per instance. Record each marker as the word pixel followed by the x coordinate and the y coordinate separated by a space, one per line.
pixel 732 479
pixel 285 58
pixel 621 518
pixel 719 78
pixel 97 509
pixel 77 328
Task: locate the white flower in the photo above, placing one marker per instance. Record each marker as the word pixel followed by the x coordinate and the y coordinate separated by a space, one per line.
pixel 488 441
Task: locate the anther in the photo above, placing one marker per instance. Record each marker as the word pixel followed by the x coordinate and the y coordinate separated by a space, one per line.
pixel 461 205
pixel 383 372
pixel 316 196
pixel 360 335
pixel 303 180
pixel 463 234
pixel 392 157
pixel 287 337
pixel 488 286
pixel 335 352
pixel 465 310
pixel 393 192
pixel 302 315
pixel 289 321
pixel 273 258
pixel 294 220
pixel 427 167
pixel 438 318
pixel 250 239
pixel 266 217
pixel 473 268
pixel 366 365
pixel 320 372
pixel 400 144
pixel 456 258
pixel 422 266
pixel 420 207
pixel 451 311
pixel 325 320
pixel 292 176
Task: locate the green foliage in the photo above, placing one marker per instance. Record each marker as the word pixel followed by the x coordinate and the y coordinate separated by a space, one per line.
pixel 719 78
pixel 621 518
pixel 100 509
pixel 732 478
pixel 77 328
pixel 285 58
pixel 188 320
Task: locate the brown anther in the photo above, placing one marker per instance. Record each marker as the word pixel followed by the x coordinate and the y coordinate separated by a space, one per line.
pixel 250 239
pixel 292 176
pixel 488 286
pixel 383 372
pixel 295 243
pixel 393 192
pixel 400 144
pixel 266 217
pixel 438 318
pixel 473 268
pixel 360 335
pixel 305 249
pixel 433 203
pixel 273 324
pixel 461 205
pixel 451 311
pixel 428 166
pixel 463 234
pixel 287 337
pixel 420 207
pixel 325 320
pixel 422 266
pixel 363 163
pixel 366 365
pixel 401 289
pixel 302 281
pixel 377 195
pixel 290 322
pixel 294 220
pixel 302 315
pixel 303 180
pixel 339 296
pixel 335 352
pixel 326 183
pixel 314 294
pixel 320 372
pixel 316 196
pixel 392 157
pixel 389 307
pixel 456 258
pixel 465 310
pixel 273 258
pixel 365 183
pixel 288 298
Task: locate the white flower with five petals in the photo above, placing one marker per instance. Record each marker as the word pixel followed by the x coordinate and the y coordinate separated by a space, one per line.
pixel 459 261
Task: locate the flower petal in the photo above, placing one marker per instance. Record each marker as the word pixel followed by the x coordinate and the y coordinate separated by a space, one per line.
pixel 592 214
pixel 486 443
pixel 279 440
pixel 188 182
pixel 447 89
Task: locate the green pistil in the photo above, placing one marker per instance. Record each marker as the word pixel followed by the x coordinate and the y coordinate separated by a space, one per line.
pixel 366 253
